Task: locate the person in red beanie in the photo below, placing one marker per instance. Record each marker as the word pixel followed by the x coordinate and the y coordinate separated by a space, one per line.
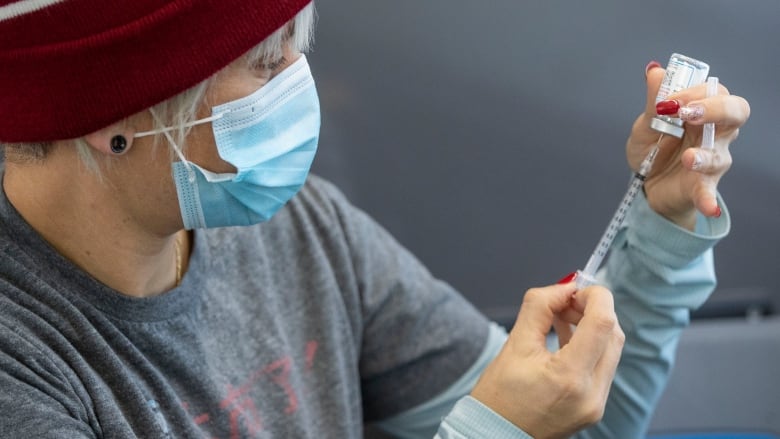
pixel 169 268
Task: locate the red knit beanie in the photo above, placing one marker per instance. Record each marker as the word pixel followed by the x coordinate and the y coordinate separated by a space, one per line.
pixel 71 67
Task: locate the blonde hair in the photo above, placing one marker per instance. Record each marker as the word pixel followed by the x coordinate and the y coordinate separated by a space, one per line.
pixel 297 33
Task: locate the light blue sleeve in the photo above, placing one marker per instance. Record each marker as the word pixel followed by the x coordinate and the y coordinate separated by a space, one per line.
pixel 658 272
pixel 465 416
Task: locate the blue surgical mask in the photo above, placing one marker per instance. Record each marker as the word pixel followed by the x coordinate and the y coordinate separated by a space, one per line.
pixel 270 137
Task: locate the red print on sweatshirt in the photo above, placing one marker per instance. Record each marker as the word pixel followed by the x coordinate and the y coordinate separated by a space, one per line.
pixel 238 408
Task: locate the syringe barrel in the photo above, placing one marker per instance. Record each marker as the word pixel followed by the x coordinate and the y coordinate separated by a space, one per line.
pixel 584 280
pixel 598 255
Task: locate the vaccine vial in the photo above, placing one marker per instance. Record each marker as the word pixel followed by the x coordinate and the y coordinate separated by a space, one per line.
pixel 681 72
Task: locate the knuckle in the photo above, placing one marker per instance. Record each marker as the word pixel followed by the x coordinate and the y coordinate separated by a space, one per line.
pixel 726 161
pixel 533 295
pixel 593 411
pixel 745 108
pixel 620 336
pixel 721 161
pixel 605 322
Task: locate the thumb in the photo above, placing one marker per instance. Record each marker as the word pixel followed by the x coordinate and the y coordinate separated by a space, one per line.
pixel 654 74
pixel 641 133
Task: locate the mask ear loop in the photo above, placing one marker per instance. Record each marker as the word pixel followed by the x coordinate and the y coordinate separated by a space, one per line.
pixel 186 125
pixel 176 149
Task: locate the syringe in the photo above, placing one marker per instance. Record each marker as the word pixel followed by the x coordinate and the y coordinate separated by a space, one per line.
pixel 681 72
pixel 586 276
pixel 708 130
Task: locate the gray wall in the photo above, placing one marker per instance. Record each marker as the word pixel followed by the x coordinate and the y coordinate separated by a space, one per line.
pixel 488 137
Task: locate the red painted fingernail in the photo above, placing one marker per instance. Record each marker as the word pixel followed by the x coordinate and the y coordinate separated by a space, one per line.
pixel 718 212
pixel 667 107
pixel 568 278
pixel 651 65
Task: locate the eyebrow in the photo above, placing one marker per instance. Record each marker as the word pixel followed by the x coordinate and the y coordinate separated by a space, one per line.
pixel 267 65
pixel 273 65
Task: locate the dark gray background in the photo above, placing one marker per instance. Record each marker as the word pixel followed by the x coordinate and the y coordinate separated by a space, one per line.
pixel 488 137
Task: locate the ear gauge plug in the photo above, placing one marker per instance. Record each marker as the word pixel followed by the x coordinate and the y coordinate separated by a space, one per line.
pixel 118 144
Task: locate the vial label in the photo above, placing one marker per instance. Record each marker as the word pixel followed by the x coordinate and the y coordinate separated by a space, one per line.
pixel 678 76
pixel 681 72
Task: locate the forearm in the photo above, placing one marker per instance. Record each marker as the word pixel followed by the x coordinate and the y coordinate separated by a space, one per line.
pixel 439 415
pixel 658 273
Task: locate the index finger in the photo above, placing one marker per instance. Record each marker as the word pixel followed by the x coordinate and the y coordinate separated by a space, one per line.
pixel 723 110
pixel 595 331
pixel 653 78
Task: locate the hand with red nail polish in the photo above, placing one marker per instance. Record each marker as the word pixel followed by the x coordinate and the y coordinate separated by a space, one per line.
pixel 554 394
pixel 684 178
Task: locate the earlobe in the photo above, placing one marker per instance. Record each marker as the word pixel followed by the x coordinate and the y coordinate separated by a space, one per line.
pixel 114 139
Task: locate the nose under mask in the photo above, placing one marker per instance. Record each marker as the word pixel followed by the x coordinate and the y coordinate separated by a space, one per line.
pixel 270 137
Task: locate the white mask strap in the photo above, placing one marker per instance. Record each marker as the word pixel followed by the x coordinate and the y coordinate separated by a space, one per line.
pixel 176 149
pixel 186 125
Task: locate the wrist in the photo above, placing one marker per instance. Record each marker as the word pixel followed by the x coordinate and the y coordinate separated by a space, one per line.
pixel 684 218
pixel 471 418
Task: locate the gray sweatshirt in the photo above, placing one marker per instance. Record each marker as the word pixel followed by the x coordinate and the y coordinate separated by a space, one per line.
pixel 305 326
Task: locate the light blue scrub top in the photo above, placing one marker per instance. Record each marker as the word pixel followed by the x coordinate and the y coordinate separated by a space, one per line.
pixel 657 272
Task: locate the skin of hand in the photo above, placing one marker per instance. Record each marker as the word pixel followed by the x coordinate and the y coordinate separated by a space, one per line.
pixel 554 394
pixel 678 186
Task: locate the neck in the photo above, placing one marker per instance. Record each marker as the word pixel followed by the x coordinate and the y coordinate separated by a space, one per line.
pixel 94 224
